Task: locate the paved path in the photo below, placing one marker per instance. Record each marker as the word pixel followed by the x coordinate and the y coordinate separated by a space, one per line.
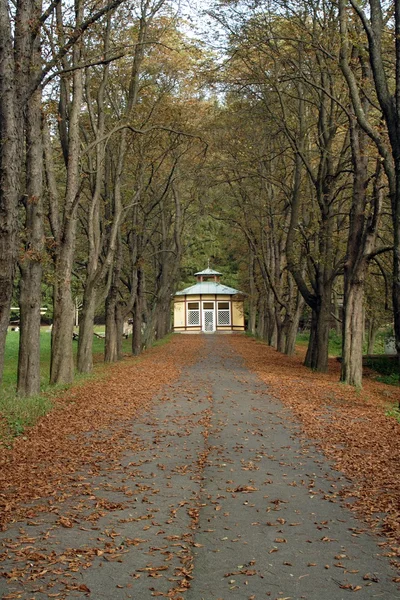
pixel 221 501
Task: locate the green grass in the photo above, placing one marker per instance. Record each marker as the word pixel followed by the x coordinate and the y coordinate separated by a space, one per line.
pixel 18 413
pixel 386 366
pixel 335 342
pixel 11 356
pixel 162 341
pixel 302 338
pixel 392 379
pixel 394 412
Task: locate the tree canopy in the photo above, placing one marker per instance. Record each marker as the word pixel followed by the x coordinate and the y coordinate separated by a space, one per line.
pixel 138 142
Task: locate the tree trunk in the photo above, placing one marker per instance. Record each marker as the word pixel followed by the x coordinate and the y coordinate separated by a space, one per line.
pixel 290 343
pixel 112 346
pixel 62 359
pixel 111 353
pixel 10 169
pixel 86 324
pixel 353 328
pixel 372 331
pixel 260 326
pixel 280 333
pixel 396 241
pixel 323 328
pixel 137 317
pixel 62 363
pixel 310 358
pixel 338 325
pixel 163 321
pixel 317 352
pixel 271 330
pixel 28 383
pixel 114 332
pixel 31 263
pixel 253 296
pixel 293 327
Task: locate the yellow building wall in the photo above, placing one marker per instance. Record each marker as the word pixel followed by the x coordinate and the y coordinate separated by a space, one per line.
pixel 237 314
pixel 179 314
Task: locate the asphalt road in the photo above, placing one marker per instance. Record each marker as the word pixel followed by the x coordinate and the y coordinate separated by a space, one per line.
pixel 223 499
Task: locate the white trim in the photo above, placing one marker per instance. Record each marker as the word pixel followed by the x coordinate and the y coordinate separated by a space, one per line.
pixel 211 311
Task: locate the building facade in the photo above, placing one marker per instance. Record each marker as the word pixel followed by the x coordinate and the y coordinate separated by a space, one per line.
pixel 208 306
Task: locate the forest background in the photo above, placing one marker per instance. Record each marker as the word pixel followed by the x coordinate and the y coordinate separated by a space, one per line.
pixel 140 139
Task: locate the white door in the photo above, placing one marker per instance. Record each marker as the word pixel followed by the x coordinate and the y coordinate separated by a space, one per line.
pixel 208 317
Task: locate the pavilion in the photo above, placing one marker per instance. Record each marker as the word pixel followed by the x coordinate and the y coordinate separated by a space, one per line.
pixel 208 306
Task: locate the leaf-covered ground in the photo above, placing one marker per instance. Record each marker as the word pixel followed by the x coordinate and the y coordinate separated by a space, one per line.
pixel 88 422
pixel 349 425
pixel 178 476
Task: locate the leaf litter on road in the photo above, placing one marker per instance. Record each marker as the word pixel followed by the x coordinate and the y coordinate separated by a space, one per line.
pixel 349 425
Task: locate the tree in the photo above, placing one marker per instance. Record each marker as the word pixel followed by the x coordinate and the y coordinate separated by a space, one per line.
pixel 30 263
pixel 380 26
pixel 22 74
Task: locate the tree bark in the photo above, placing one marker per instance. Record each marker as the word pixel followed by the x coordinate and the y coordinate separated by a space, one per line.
pixel 97 271
pixel 362 228
pixel 28 383
pixel 372 331
pixel 10 169
pixel 31 263
pixel 113 339
pixel 293 327
pixel 317 352
pixel 252 298
pixel 86 324
pixel 137 317
pixel 351 366
pixel 62 362
pixel 389 102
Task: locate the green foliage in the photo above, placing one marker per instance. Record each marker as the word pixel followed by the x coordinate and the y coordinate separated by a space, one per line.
pixel 335 341
pixel 11 358
pixel 392 379
pixel 383 364
pixel 394 412
pixel 162 341
pixel 302 338
pixel 387 366
pixel 18 413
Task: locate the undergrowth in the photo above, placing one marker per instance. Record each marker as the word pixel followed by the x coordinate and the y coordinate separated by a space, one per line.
pixel 18 413
pixel 335 341
pixel 394 412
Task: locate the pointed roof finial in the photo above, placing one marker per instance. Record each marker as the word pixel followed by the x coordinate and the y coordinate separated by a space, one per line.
pixel 208 263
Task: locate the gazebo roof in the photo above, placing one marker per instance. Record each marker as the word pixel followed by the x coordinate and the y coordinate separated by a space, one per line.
pixel 208 287
pixel 208 272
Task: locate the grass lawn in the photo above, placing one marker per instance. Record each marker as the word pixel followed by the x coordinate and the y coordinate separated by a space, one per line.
pixel 335 342
pixel 11 357
pixel 17 413
pixel 385 365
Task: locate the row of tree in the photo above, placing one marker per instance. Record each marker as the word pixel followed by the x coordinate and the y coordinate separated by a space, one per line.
pixel 312 172
pixel 121 138
pixel 98 151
